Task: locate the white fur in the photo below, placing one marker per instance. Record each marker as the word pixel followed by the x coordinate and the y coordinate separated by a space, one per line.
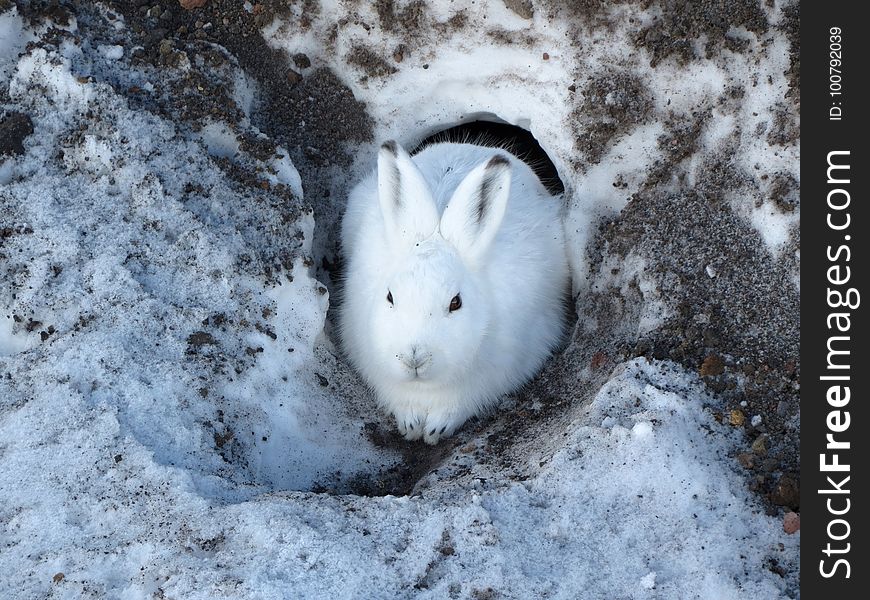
pixel 415 228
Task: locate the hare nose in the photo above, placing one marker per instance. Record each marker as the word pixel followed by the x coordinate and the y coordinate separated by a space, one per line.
pixel 416 359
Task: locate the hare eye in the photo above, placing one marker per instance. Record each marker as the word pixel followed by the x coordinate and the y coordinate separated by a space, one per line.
pixel 455 303
pixel 390 297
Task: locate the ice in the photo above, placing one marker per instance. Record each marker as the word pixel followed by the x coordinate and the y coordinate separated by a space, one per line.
pixel 111 52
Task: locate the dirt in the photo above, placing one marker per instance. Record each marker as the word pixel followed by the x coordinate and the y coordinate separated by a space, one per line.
pixel 314 116
pixel 729 316
pixel 785 192
pixel 368 60
pixel 410 17
pixel 785 130
pixel 611 104
pixel 791 25
pixel 675 33
pixel 742 344
pixel 14 128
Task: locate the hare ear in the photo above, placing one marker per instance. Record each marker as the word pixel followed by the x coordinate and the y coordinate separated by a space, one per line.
pixel 476 209
pixel 407 205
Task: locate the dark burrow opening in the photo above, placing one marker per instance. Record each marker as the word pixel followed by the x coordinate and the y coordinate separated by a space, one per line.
pixel 516 140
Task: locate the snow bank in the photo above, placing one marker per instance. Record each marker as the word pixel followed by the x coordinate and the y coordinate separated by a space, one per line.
pixel 482 60
pixel 138 286
pixel 643 502
pixel 168 398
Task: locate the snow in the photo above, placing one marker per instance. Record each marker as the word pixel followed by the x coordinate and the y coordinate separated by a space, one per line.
pixel 286 173
pixel 36 68
pixel 774 225
pixel 219 140
pixel 167 435
pixel 13 38
pixel 111 52
pixel 618 512
pixel 10 341
pixel 126 266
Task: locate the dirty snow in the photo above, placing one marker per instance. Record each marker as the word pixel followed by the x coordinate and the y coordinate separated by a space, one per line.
pixel 442 83
pixel 167 404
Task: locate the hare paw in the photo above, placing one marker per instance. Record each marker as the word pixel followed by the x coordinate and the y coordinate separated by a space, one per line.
pixel 437 427
pixel 410 424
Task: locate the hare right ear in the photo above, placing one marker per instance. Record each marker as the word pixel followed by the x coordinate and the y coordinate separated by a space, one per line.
pixel 475 211
pixel 407 205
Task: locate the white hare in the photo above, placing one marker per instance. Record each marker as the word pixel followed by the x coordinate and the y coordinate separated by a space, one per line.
pixel 455 282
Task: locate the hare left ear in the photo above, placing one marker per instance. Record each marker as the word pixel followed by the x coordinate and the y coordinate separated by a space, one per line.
pixel 476 209
pixel 407 206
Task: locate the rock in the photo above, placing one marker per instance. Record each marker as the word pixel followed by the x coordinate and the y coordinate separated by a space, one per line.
pixel 746 460
pixel 770 464
pixel 523 8
pixel 293 77
pixel 757 483
pixel 165 47
pixel 191 4
pixel 301 60
pixel 791 522
pixel 737 418
pixel 14 127
pixel 786 493
pixel 759 446
pixel 599 359
pixel 201 338
pixel 713 365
